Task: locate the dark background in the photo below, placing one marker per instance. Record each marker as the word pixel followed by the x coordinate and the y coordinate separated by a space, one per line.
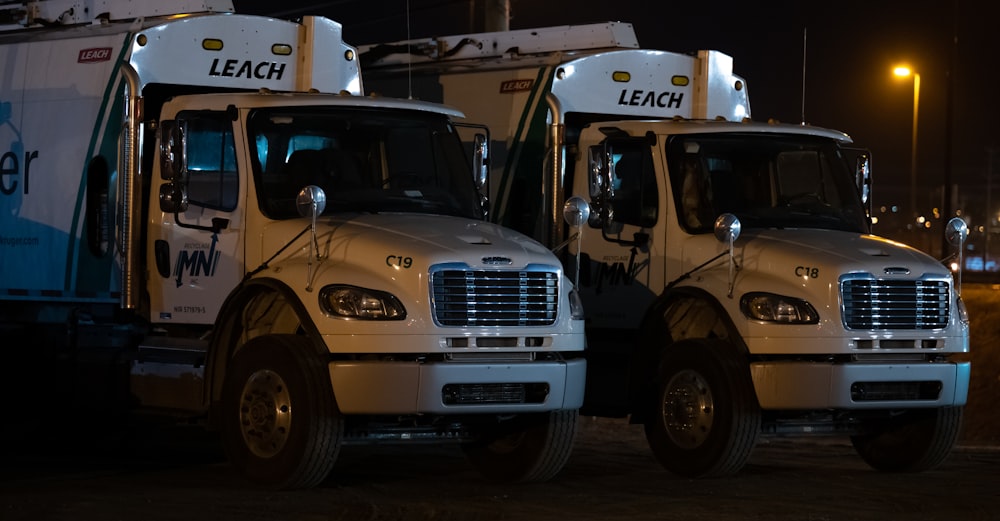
pixel 825 63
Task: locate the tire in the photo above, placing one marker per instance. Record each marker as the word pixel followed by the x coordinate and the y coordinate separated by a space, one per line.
pixel 281 427
pixel 526 448
pixel 914 441
pixel 705 419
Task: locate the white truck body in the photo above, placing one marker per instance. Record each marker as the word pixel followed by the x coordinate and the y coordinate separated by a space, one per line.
pixel 807 323
pixel 172 212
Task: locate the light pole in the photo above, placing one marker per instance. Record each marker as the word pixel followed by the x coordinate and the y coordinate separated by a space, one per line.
pixel 903 71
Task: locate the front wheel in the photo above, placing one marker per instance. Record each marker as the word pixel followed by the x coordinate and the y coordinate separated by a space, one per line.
pixel 525 448
pixel 913 441
pixel 281 427
pixel 705 419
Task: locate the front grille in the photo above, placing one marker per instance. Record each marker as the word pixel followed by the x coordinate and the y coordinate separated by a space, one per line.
pixel 499 393
pixel 895 304
pixel 463 297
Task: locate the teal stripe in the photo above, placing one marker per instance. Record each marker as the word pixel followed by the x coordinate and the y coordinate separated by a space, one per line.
pixel 511 163
pixel 110 92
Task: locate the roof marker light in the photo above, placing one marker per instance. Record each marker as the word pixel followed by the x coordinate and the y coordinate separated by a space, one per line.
pixel 281 49
pixel 680 81
pixel 211 44
pixel 621 76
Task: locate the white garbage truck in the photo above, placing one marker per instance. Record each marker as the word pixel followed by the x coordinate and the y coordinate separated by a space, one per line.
pixel 202 216
pixel 731 281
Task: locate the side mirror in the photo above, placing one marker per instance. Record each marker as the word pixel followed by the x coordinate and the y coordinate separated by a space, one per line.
pixel 173 198
pixel 172 151
pixel 863 177
pixel 956 232
pixel 599 171
pixel 481 160
pixel 576 211
pixel 727 230
pixel 311 201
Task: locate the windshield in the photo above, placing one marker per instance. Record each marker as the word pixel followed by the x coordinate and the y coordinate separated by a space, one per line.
pixel 767 180
pixel 366 160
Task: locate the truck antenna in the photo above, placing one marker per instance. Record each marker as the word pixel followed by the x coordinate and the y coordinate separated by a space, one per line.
pixel 804 30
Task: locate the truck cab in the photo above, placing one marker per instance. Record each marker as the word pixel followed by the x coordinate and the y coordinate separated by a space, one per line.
pixel 223 231
pixel 732 284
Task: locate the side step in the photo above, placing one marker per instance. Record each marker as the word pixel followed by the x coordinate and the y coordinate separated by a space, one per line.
pixel 169 373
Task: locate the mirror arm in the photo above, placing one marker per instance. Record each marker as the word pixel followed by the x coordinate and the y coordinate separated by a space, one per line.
pixel 218 224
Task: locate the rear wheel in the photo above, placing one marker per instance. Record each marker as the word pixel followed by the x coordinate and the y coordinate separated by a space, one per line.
pixel 705 419
pixel 913 441
pixel 525 448
pixel 281 427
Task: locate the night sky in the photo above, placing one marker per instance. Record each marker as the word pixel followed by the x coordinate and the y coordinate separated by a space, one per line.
pixel 851 48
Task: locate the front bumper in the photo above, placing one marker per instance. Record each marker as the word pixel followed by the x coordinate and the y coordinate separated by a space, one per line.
pixel 363 387
pixel 858 385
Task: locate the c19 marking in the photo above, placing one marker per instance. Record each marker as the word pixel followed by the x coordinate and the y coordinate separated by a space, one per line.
pixel 807 272
pixel 398 261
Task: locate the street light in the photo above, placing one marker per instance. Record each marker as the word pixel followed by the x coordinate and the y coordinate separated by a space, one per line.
pixel 903 72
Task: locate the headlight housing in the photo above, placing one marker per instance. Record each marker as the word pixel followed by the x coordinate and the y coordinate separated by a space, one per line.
pixel 344 301
pixel 963 312
pixel 768 307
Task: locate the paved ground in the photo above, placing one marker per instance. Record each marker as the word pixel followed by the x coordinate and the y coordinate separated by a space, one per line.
pixel 612 475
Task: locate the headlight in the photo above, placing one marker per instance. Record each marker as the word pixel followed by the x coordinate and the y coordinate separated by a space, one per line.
pixel 575 305
pixel 361 303
pixel 769 307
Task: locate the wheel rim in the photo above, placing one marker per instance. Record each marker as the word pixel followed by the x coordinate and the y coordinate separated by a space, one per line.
pixel 265 413
pixel 688 409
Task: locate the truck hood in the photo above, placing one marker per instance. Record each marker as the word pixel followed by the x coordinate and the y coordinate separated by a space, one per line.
pixel 807 263
pixel 849 252
pixel 372 239
pixel 395 254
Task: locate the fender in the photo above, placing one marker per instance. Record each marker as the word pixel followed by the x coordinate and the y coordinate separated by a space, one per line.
pixel 228 332
pixel 708 320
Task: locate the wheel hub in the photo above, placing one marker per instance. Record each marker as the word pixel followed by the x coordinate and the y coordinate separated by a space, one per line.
pixel 265 413
pixel 688 409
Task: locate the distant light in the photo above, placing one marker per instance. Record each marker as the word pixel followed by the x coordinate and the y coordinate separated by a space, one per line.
pixel 902 71
pixel 895 209
pixel 927 224
pixel 921 219
pixel 954 266
pixel 874 220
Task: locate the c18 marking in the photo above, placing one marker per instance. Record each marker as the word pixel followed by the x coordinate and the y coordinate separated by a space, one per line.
pixel 807 272
pixel 398 261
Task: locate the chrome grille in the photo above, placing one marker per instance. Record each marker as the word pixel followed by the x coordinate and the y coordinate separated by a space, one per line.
pixel 895 304
pixel 465 297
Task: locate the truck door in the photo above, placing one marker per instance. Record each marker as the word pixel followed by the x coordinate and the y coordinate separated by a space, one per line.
pixel 196 245
pixel 619 244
